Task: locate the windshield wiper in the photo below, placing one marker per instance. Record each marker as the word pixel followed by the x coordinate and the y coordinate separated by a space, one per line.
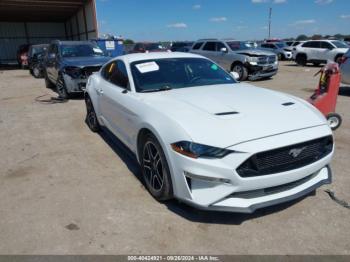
pixel 164 88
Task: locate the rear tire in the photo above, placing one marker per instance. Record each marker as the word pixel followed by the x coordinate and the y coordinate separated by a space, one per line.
pixel 36 71
pixel 155 169
pixel 91 117
pixel 334 120
pixel 301 60
pixel 241 70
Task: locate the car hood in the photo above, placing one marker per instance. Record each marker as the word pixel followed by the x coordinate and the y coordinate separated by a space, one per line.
pixel 86 61
pixel 255 52
pixel 225 115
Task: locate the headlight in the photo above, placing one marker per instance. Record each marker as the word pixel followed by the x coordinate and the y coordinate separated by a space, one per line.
pixel 195 150
pixel 73 72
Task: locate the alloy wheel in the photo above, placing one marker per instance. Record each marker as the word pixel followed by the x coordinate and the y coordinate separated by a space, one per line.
pixel 333 122
pixel 153 167
pixel 238 70
pixel 91 115
pixel 36 72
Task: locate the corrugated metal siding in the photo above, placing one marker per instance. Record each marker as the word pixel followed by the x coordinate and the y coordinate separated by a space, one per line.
pixel 52 30
pixel 90 17
pixel 13 34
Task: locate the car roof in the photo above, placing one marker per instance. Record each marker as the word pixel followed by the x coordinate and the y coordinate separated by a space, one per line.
pixel 130 58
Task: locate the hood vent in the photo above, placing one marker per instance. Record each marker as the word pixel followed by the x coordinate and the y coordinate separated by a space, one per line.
pixel 226 113
pixel 288 104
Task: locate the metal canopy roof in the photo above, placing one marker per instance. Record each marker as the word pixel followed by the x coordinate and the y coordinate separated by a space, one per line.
pixel 38 10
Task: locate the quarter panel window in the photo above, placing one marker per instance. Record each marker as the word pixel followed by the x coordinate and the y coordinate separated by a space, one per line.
pixel 210 46
pixel 197 46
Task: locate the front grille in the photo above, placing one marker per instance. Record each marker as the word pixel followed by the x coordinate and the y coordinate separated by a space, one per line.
pixel 272 190
pixel 286 158
pixel 266 60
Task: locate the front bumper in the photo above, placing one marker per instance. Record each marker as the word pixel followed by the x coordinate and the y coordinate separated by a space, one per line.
pixel 227 191
pixel 75 85
pixel 259 71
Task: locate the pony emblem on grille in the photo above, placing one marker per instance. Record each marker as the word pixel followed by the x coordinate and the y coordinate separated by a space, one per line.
pixel 295 152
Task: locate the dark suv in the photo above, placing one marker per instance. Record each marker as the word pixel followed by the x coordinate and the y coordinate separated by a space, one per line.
pixel 36 55
pixel 68 65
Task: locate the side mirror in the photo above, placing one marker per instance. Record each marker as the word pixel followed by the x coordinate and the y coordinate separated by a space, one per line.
pixel 330 47
pixel 235 75
pixel 223 50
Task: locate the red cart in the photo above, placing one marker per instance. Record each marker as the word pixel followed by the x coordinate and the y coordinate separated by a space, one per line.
pixel 326 94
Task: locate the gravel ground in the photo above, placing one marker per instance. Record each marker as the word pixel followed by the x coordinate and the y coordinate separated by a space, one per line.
pixel 65 190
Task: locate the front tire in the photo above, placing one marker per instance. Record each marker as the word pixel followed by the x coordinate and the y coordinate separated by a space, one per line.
pixel 91 117
pixel 155 169
pixel 301 60
pixel 48 83
pixel 61 88
pixel 241 70
pixel 334 120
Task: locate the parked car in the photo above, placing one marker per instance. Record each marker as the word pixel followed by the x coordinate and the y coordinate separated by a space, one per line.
pixel 279 48
pixel 69 64
pixel 319 52
pixel 36 55
pixel 239 57
pixel 22 55
pixel 292 45
pixel 181 46
pixel 345 68
pixel 203 138
pixel 148 48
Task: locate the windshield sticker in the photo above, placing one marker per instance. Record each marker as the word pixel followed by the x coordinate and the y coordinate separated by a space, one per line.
pixel 214 67
pixel 147 67
pixel 97 50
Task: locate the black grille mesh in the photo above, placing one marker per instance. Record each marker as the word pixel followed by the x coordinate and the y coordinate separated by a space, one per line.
pixel 286 158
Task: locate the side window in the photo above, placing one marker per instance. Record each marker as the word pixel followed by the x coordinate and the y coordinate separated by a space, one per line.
pixel 316 44
pixel 312 44
pixel 197 46
pixel 220 45
pixel 307 44
pixel 210 46
pixel 53 49
pixel 326 45
pixel 107 70
pixel 119 75
pixel 265 45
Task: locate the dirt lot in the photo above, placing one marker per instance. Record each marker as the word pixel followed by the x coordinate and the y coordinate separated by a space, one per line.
pixel 65 190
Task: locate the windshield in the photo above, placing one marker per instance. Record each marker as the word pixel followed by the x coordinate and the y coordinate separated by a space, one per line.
pixel 340 44
pixel 37 50
pixel 80 50
pixel 237 45
pixel 173 73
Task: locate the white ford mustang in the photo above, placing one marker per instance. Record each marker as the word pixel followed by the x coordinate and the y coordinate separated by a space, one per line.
pixel 205 139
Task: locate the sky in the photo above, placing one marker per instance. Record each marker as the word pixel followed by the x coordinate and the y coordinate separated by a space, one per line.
pixel 173 20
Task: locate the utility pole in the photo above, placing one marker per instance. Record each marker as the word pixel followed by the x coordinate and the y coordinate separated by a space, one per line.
pixel 270 14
